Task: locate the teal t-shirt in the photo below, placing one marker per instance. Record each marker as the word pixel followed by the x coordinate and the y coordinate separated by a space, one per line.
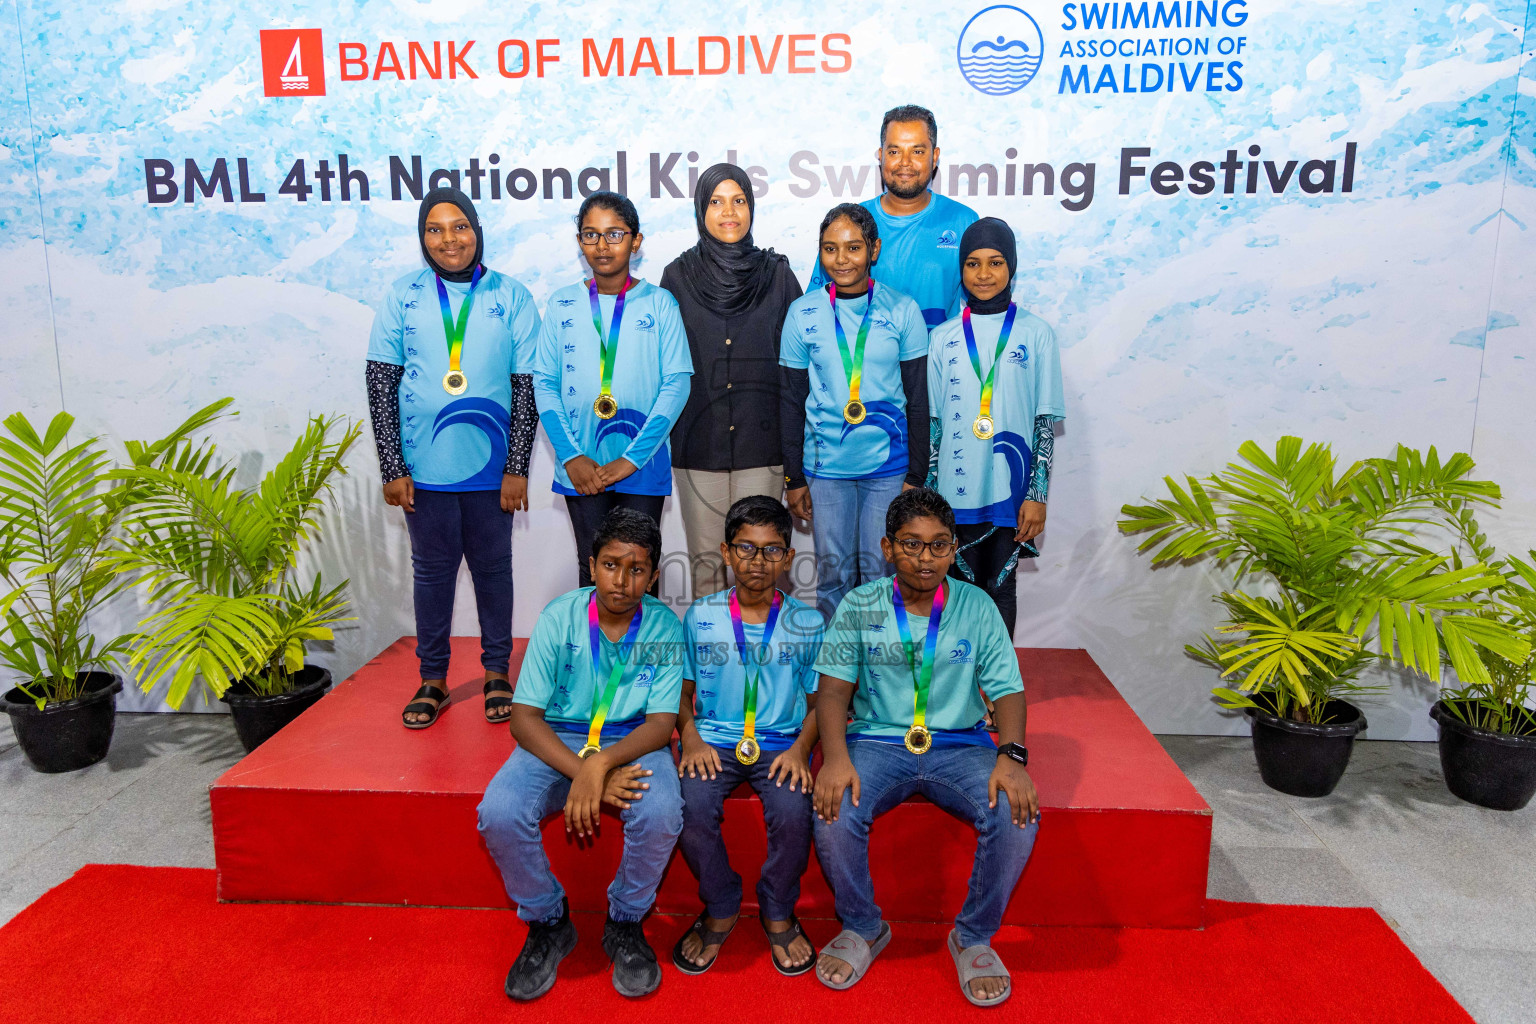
pixel 456 442
pixel 558 678
pixel 788 671
pixel 985 480
pixel 877 447
pixel 568 378
pixel 919 255
pixel 974 653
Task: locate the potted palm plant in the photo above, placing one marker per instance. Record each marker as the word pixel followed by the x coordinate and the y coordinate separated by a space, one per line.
pixel 1331 571
pixel 1487 727
pixel 59 511
pixel 220 564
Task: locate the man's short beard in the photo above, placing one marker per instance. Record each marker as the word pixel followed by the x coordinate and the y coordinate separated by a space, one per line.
pixel 911 193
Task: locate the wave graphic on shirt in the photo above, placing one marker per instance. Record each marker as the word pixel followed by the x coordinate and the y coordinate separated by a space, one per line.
pixel 887 417
pixel 626 423
pixel 1015 451
pixel 491 420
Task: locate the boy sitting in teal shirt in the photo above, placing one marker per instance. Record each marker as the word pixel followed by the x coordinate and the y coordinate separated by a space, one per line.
pixel 593 714
pixel 913 654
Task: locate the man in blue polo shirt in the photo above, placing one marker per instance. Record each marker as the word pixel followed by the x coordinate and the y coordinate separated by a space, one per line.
pixel 919 229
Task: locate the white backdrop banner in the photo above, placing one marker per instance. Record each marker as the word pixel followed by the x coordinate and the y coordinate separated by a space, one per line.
pixel 1243 218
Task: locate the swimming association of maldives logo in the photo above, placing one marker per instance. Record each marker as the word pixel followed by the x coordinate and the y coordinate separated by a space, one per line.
pixel 292 62
pixel 1000 50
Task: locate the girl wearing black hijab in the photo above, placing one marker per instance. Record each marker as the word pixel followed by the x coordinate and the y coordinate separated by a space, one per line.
pixel 450 393
pixel 994 395
pixel 733 297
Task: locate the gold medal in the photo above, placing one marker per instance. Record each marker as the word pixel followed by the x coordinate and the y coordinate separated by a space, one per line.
pixel 982 428
pixel 587 751
pixel 747 751
pixel 919 739
pixel 454 382
pixel 853 412
pixel 605 407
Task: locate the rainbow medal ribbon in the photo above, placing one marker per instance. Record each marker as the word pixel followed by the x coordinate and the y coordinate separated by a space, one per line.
pixel 853 363
pixel 984 427
pixel 748 751
pixel 604 702
pixel 605 406
pixel 919 739
pixel 454 381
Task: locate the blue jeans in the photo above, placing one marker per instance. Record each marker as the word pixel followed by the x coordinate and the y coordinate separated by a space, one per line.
pixel 447 528
pixel 788 817
pixel 526 791
pixel 847 522
pixel 955 778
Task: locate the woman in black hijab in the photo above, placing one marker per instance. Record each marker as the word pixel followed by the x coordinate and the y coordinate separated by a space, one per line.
pixel 733 297
pixel 450 392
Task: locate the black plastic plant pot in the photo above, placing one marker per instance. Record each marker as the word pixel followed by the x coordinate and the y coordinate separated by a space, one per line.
pixel 1300 758
pixel 258 718
pixel 1483 767
pixel 71 734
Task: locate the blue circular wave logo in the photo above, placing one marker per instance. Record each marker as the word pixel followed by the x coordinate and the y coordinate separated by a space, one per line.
pixel 1000 50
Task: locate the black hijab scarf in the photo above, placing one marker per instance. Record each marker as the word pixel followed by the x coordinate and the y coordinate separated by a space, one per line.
pixel 727 278
pixel 990 233
pixel 459 199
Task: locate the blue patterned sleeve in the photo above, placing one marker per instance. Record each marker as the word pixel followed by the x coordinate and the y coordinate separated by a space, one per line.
pixel 1044 451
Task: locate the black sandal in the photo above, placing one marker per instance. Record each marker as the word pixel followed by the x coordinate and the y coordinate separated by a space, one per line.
pixel 782 940
pixel 707 938
pixel 419 705
pixel 497 703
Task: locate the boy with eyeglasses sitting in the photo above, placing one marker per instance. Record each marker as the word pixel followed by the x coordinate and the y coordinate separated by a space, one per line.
pixel 748 715
pixel 913 653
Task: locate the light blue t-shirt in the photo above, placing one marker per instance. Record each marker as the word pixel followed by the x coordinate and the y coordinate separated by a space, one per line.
pixel 863 646
pixel 788 671
pixel 877 447
pixel 985 481
pixel 455 442
pixel 919 255
pixel 557 675
pixel 568 378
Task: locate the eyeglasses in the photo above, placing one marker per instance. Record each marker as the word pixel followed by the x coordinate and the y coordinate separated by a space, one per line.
pixel 614 236
pixel 914 547
pixel 770 552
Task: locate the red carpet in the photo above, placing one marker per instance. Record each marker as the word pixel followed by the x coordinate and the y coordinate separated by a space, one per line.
pixel 127 944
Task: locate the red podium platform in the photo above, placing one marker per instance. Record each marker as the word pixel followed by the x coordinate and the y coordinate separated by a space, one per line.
pixel 346 806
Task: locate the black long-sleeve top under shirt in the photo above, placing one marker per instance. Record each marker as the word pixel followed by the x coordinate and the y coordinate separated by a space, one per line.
pixel 384 409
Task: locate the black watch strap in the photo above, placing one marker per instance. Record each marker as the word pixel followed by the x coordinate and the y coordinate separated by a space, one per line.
pixel 1015 751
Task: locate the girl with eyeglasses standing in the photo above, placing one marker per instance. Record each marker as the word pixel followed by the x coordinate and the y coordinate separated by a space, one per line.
pixel 610 378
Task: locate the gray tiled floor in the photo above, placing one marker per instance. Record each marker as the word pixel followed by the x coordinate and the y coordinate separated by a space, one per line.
pixel 1458 882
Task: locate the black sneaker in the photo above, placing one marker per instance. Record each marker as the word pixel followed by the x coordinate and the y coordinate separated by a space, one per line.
pixel 635 971
pixel 548 942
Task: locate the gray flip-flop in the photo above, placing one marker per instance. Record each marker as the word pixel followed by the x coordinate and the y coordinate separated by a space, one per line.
pixel 851 948
pixel 978 962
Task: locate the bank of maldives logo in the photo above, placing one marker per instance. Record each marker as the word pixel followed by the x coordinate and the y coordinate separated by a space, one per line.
pixel 292 62
pixel 1000 50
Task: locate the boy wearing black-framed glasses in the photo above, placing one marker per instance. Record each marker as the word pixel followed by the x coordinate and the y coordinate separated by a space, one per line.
pixel 912 654
pixel 749 715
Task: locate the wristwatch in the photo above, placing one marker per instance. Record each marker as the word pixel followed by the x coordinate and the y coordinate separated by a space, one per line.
pixel 1015 751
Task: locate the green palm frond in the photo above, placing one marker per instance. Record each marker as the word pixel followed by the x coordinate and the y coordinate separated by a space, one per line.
pixel 60 508
pixel 220 561
pixel 1362 563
